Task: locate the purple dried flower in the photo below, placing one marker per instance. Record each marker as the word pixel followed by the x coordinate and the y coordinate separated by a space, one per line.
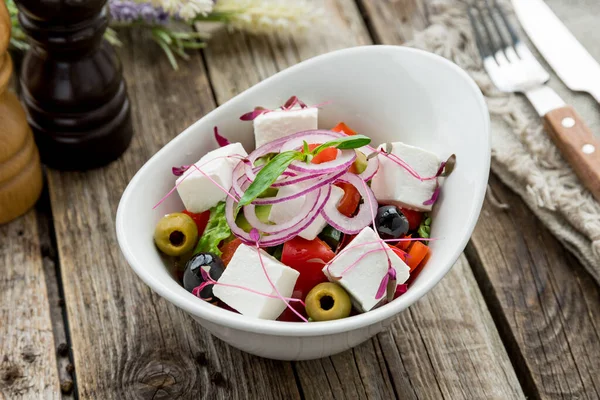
pixel 128 11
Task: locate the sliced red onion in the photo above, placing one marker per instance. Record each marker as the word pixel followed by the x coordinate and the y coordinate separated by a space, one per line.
pixel 299 178
pixel 310 202
pixel 364 217
pixel 237 178
pixel 371 170
pixel 278 238
pixel 317 185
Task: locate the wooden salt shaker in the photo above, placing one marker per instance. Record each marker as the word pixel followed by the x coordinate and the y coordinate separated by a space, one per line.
pixel 20 169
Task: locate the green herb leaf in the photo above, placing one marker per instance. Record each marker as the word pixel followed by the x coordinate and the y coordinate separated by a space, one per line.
pixel 270 172
pixel 344 143
pixel 216 231
pixel 306 149
pixel 425 228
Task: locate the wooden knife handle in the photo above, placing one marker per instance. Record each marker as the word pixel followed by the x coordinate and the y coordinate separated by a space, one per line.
pixel 577 144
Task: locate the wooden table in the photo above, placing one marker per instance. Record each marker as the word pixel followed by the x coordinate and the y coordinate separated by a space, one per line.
pixel 516 317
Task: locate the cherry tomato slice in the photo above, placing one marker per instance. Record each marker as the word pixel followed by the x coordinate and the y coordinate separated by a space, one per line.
pixel 349 202
pixel 329 154
pixel 201 219
pixel 342 127
pixel 288 315
pixel 307 257
pixel 228 249
pixel 414 218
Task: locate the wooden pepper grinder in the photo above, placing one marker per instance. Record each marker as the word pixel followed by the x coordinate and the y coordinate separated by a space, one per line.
pixel 20 169
pixel 72 84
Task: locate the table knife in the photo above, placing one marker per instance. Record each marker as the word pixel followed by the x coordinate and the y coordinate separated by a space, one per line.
pixel 580 72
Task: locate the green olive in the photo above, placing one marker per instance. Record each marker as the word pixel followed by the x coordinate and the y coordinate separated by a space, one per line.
pixel 328 301
pixel 175 234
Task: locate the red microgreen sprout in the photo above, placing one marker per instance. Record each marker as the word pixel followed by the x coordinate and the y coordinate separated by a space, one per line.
pixel 221 140
pixel 251 116
pixel 178 171
pixel 433 198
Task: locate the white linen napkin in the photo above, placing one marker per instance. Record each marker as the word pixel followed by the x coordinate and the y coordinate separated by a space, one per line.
pixel 523 156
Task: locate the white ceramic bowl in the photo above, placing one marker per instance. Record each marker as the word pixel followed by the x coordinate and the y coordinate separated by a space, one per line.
pixel 386 92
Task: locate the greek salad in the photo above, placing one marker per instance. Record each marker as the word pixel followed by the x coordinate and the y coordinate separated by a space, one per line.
pixel 315 224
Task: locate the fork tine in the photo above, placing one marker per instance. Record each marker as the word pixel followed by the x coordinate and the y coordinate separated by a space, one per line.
pixel 484 51
pixel 494 46
pixel 499 32
pixel 511 31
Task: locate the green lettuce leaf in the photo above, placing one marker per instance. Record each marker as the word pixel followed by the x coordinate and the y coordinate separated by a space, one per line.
pixel 216 231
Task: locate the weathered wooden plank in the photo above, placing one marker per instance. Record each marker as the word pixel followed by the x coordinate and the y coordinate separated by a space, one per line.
pixel 544 304
pixel 27 353
pixel 449 346
pixel 446 345
pixel 547 305
pixel 127 342
pixel 28 366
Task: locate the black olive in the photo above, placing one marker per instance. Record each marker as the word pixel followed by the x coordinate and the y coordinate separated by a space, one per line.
pixel 192 277
pixel 390 222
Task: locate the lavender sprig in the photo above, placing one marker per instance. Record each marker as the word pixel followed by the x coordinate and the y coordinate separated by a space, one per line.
pixel 128 11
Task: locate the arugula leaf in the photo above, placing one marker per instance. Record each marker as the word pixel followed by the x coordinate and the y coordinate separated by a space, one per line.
pixel 270 172
pixel 344 143
pixel 216 231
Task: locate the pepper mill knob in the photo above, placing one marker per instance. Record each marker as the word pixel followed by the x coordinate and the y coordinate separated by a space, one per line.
pixel 72 84
pixel 20 169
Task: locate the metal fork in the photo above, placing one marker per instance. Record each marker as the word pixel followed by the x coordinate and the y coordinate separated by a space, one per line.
pixel 513 68
pixel 508 61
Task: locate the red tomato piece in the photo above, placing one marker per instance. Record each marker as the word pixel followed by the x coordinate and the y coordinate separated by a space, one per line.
pixel 400 253
pixel 349 202
pixel 307 257
pixel 342 127
pixel 228 249
pixel 288 315
pixel 405 244
pixel 201 219
pixel 414 218
pixel 329 154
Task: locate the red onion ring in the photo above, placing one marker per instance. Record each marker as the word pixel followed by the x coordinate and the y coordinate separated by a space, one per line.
pixel 328 180
pixel 371 170
pixel 363 218
pixel 276 239
pixel 310 202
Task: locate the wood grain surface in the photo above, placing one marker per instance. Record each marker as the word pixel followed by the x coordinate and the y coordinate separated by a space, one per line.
pixel 544 303
pixel 28 368
pixel 519 319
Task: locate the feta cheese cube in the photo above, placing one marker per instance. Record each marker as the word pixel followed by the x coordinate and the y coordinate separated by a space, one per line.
pixel 363 279
pixel 276 124
pixel 245 270
pixel 197 191
pixel 282 212
pixel 393 184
